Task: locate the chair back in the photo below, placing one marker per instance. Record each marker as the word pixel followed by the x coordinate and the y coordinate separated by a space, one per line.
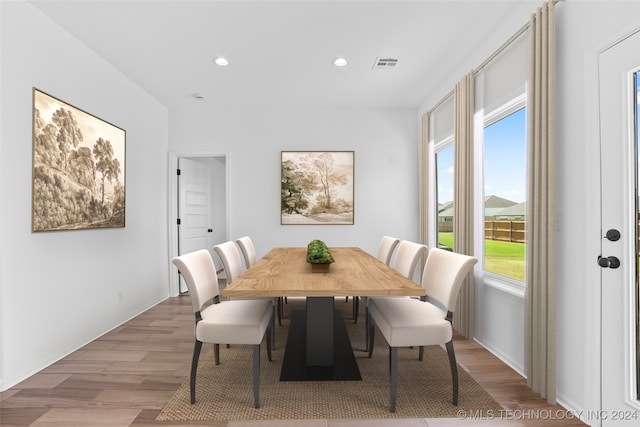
pixel 230 257
pixel 407 256
pixel 199 272
pixel 385 248
pixel 443 275
pixel 248 250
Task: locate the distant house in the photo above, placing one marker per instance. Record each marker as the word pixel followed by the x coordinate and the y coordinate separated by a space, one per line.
pixel 513 213
pixel 444 206
pixel 494 207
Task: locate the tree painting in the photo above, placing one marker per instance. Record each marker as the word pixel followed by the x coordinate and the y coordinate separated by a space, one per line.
pixel 78 168
pixel 317 187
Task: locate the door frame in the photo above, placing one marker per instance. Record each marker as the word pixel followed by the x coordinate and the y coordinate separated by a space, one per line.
pixel 593 218
pixel 173 203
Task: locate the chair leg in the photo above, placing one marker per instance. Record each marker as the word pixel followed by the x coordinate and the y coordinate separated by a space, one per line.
pixel 393 375
pixel 194 370
pixel 272 329
pixel 356 308
pixel 421 353
pixel 371 332
pixel 366 328
pixel 454 370
pixel 216 354
pixel 269 344
pixel 256 375
pixel 280 311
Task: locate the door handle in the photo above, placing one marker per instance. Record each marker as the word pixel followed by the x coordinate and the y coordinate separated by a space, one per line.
pixel 608 262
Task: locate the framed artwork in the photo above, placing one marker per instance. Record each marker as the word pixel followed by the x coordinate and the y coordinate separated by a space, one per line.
pixel 316 187
pixel 78 177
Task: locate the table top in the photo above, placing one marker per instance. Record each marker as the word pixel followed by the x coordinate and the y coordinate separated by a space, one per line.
pixel 284 272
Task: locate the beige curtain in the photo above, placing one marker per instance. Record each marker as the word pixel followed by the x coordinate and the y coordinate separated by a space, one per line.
pixel 424 208
pixel 541 208
pixel 463 197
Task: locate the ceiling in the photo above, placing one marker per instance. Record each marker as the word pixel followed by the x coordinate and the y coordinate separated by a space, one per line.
pixel 283 51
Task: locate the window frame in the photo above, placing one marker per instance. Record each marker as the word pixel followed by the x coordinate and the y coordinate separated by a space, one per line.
pixel 506 284
pixel 443 144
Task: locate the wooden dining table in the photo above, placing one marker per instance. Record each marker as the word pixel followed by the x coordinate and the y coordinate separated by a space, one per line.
pixel 285 272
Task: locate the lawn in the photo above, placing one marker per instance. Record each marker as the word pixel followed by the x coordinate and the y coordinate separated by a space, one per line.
pixel 504 258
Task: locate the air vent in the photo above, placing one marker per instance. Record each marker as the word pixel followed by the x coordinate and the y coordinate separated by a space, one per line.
pixel 385 63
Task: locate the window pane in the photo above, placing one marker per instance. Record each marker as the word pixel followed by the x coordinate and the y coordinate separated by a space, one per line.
pixel 504 195
pixel 444 195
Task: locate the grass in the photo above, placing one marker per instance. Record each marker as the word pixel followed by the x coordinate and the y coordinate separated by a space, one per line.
pixel 503 258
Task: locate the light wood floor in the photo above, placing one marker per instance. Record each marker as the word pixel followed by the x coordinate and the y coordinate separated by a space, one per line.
pixel 126 377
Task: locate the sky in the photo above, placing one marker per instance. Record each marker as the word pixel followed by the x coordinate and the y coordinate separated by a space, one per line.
pixel 504 158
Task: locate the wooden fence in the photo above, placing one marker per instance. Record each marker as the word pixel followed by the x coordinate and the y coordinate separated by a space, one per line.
pixel 505 230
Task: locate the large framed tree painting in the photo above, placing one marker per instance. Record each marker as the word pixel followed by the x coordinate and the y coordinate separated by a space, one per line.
pixel 78 179
pixel 317 187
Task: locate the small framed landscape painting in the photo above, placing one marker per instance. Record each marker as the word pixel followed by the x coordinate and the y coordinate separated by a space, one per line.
pixel 78 177
pixel 317 187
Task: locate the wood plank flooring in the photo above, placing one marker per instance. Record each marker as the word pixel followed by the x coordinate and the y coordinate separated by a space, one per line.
pixel 125 378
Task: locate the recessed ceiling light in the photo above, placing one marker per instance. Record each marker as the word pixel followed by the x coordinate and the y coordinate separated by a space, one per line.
pixel 339 62
pixel 222 61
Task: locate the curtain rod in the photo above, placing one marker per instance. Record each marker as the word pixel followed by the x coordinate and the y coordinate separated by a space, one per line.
pixel 505 45
pixel 486 62
pixel 442 101
pixel 522 30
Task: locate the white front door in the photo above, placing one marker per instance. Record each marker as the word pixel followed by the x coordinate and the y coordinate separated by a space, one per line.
pixel 618 67
pixel 195 226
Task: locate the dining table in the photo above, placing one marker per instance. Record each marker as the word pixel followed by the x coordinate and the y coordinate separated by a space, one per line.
pixel 285 272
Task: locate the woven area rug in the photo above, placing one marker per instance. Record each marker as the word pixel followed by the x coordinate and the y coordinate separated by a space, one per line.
pixel 224 392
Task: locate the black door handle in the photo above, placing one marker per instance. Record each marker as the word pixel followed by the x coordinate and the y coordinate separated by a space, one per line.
pixel 608 262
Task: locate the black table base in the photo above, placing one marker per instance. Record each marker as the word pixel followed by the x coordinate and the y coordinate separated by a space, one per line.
pixel 294 367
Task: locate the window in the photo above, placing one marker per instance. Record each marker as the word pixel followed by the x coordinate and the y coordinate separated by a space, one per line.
pixel 439 221
pixel 444 194
pixel 504 168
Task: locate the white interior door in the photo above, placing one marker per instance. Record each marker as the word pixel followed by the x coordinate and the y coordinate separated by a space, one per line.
pixel 195 228
pixel 619 296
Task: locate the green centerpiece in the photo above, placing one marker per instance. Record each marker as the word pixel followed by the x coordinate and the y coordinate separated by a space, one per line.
pixel 318 256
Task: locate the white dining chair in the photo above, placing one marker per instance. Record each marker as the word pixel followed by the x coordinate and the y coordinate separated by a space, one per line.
pixel 232 264
pixel 406 260
pixel 248 250
pixel 231 261
pixel 409 322
pixel 386 246
pixel 249 253
pixel 230 322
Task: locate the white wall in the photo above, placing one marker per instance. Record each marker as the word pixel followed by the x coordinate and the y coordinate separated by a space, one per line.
pixel 61 290
pixel 386 166
pixel 583 27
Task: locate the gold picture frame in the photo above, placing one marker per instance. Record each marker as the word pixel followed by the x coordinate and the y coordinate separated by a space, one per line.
pixel 78 175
